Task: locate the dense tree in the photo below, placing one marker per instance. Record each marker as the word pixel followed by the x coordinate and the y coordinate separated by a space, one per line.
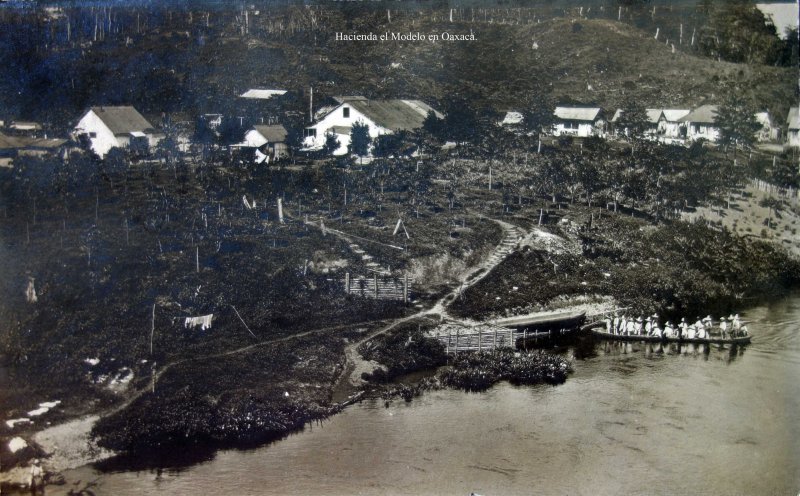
pixel 633 120
pixel 736 122
pixel 331 144
pixel 359 139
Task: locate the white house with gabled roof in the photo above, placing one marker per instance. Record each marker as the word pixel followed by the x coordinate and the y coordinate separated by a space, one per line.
pixel 701 123
pixel 104 128
pixel 380 116
pixel 579 121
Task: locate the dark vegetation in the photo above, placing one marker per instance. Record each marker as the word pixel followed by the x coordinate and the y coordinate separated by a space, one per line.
pixel 404 350
pixel 480 371
pixel 675 269
pixel 247 398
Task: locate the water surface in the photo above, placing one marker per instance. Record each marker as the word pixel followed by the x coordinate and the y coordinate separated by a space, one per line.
pixel 632 419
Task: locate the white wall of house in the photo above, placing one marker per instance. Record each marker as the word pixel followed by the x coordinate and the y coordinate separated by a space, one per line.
pixel 101 138
pixel 575 128
pixel 669 129
pixel 342 116
pixel 793 138
pixel 697 130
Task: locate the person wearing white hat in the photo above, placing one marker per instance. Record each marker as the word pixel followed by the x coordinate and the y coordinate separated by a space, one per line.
pixel 736 324
pixel 668 330
pixel 648 326
pixel 723 327
pixel 637 328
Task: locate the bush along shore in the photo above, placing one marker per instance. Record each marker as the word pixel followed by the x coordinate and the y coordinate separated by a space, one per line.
pixel 407 350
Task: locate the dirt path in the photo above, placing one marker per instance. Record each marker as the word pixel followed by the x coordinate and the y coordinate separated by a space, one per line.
pixel 355 364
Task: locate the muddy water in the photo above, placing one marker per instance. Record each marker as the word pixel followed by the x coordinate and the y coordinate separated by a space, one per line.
pixel 633 419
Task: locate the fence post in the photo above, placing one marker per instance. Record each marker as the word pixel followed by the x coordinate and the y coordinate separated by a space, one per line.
pixel 376 286
pixel 457 331
pixel 447 350
pixel 405 288
pixel 480 341
pixel 495 339
pixel 347 282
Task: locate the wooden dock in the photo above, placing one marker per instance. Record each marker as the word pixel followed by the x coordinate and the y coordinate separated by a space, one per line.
pixel 485 337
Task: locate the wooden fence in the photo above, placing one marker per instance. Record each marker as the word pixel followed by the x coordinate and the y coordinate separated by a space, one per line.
pixel 379 286
pixel 485 337
pixel 790 194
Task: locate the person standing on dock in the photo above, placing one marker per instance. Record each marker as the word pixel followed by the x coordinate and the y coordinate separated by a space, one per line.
pixel 683 328
pixel 615 322
pixel 648 326
pixel 668 330
pixel 637 328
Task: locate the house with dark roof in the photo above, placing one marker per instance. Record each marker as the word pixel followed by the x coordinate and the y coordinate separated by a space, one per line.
pixel 104 128
pixel 701 123
pixel 380 116
pixel 14 146
pixel 268 142
pixel 793 127
pixel 579 121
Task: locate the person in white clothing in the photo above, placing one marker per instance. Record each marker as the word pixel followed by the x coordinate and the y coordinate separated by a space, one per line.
pixel 37 478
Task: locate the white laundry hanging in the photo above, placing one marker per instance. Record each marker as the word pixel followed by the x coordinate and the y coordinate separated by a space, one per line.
pixel 204 321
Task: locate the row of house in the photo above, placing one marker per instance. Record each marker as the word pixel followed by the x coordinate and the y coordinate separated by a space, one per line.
pixel 102 128
pixel 667 125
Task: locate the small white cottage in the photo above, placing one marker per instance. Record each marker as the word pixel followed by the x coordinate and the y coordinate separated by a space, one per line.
pixel 700 123
pixel 104 128
pixel 579 121
pixel 269 142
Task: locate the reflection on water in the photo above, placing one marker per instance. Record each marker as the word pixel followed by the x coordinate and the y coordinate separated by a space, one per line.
pixel 634 418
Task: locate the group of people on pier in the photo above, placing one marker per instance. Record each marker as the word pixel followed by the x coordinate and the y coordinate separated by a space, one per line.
pixel 704 328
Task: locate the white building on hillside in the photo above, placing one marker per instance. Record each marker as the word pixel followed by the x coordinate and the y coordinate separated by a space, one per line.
pixel 700 123
pixel 669 124
pixel 269 142
pixel 769 132
pixel 579 121
pixel 105 128
pixel 380 116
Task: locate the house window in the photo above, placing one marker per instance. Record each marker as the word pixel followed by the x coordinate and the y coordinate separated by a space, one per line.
pixel 346 112
pixel 311 132
pixel 93 135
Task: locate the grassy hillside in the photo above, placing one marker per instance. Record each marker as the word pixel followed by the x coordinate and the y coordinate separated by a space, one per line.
pixel 194 62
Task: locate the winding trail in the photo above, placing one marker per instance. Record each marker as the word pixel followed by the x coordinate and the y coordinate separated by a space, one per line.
pixel 355 364
pixel 70 445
